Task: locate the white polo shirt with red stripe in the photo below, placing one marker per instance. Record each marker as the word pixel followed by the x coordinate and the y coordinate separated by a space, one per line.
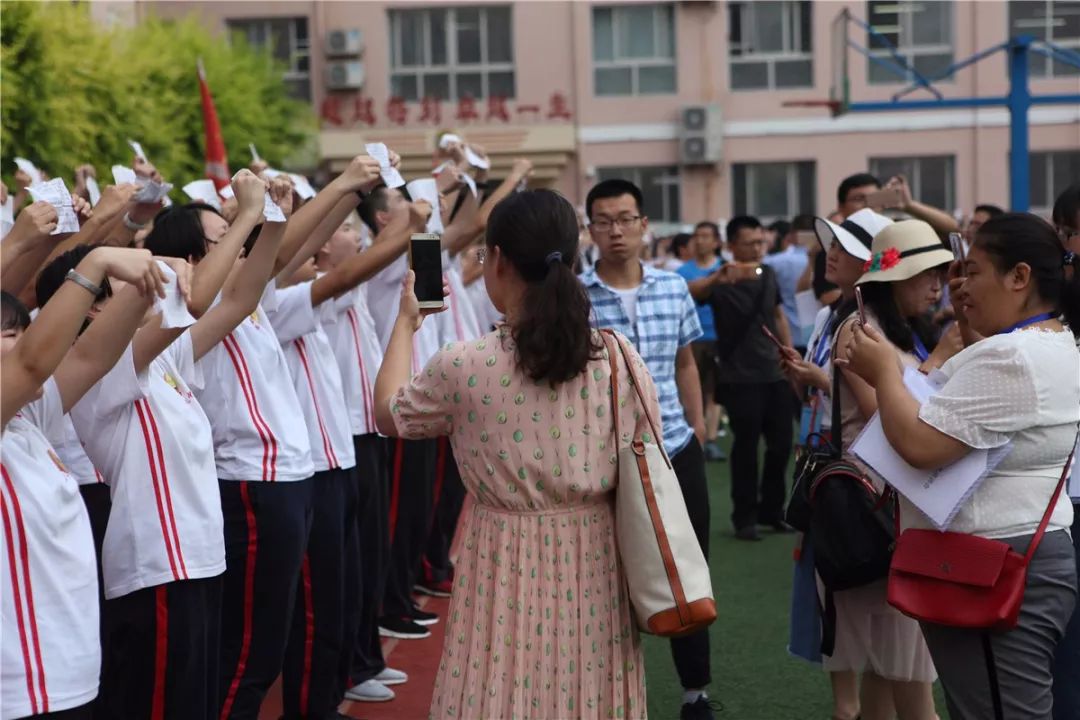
pixel 71 452
pixel 315 376
pixel 384 299
pixel 50 642
pixel 258 426
pixel 351 330
pixel 148 434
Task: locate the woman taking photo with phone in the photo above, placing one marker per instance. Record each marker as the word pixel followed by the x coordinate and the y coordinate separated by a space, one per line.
pixel 539 622
pixel 899 276
pixel 1018 385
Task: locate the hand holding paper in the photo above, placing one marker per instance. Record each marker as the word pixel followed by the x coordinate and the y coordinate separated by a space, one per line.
pixel 426 190
pixel 389 174
pixel 203 191
pixel 174 306
pixel 35 175
pixel 56 194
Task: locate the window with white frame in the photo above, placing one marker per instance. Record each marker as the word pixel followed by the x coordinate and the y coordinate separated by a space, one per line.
pixel 774 190
pixel 659 189
pixel 286 39
pixel 1052 20
pixel 931 178
pixel 634 49
pixel 921 32
pixel 452 52
pixel 1051 173
pixel 770 45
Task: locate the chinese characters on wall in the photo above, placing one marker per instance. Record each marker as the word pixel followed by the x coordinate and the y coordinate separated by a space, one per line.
pixel 345 111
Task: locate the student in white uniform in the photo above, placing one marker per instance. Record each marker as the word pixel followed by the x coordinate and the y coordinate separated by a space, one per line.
pixel 351 331
pixel 164 552
pixel 411 463
pixel 51 654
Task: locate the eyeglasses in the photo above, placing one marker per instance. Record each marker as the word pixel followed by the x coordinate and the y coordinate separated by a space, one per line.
pixel 624 222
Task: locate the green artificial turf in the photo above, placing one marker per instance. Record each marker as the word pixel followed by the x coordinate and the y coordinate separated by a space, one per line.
pixel 754 677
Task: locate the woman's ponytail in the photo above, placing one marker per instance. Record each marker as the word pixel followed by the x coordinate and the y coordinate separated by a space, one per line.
pixel 537 232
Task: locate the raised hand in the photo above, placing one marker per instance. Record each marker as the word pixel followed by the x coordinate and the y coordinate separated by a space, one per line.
pixel 114 198
pixel 38 219
pixel 281 192
pixel 132 265
pixel 362 173
pixel 249 191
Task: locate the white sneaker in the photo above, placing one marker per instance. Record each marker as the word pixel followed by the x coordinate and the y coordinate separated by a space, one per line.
pixel 370 691
pixel 390 676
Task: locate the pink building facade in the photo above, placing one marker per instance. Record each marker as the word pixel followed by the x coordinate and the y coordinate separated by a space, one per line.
pixel 591 90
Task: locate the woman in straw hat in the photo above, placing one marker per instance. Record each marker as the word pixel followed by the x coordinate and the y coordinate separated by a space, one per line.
pixel 900 276
pixel 1018 385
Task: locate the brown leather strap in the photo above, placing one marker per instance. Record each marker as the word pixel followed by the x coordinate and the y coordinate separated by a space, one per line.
pixel 1049 508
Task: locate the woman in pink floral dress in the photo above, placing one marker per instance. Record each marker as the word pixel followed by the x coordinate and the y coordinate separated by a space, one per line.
pixel 540 625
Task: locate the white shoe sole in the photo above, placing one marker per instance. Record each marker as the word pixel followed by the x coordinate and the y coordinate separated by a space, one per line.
pixel 383 632
pixel 357 697
pixel 426 623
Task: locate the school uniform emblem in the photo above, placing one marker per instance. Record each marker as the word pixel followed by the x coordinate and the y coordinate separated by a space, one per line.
pixel 180 390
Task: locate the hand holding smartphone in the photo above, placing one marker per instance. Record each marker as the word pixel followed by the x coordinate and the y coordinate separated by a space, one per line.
pixel 425 260
pixel 862 307
pixel 956 241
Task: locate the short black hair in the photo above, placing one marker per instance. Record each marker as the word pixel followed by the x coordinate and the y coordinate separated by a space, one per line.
pixel 991 210
pixel 740 222
pixel 375 201
pixel 1067 207
pixel 178 231
pixel 710 225
pixel 55 273
pixel 679 242
pixel 13 314
pixel 802 222
pixel 612 189
pixel 853 181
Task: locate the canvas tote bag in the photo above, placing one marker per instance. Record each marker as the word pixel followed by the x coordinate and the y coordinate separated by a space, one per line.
pixel 667 574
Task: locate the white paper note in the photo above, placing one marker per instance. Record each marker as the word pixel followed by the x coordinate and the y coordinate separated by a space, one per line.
pixel 227 192
pixel 271 212
pixel 441 166
pixel 56 194
pixel 939 493
pixel 271 173
pixel 151 191
pixel 302 186
pixel 389 174
pixel 30 169
pixel 468 180
pixel 426 189
pixel 447 139
pixel 254 153
pixel 139 152
pixel 174 311
pixel 123 175
pixel 203 191
pixel 7 216
pixel 93 191
pixel 475 160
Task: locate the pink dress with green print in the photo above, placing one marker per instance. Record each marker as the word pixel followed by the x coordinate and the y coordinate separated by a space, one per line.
pixel 540 625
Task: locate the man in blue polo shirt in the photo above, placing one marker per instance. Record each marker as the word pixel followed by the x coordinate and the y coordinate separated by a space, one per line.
pixel 654 310
pixel 704 244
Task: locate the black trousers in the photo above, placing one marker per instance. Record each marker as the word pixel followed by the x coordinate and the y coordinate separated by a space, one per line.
pixel 449 498
pixel 1067 657
pixel 310 678
pixel 691 653
pixel 757 410
pixel 367 556
pixel 83 712
pixel 98 500
pixel 412 469
pixel 163 653
pixel 266 531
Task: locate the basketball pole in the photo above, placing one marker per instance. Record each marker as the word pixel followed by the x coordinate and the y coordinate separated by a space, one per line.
pixel 1018 101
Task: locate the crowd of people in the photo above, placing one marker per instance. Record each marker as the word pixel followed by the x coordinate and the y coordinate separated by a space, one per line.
pixel 236 447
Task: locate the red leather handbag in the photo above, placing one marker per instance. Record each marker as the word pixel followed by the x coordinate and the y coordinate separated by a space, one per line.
pixel 962 580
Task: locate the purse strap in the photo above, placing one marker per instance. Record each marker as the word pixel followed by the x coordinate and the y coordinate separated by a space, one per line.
pixel 612 342
pixel 1049 508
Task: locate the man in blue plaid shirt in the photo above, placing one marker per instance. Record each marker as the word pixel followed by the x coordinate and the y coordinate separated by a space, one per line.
pixel 654 310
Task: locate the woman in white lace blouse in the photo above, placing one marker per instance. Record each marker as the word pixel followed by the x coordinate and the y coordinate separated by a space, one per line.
pixel 1020 385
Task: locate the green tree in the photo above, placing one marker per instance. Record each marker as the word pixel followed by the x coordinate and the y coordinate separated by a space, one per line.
pixel 73 92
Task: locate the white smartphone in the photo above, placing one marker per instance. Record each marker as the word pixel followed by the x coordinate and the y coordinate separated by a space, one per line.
pixel 956 240
pixel 862 307
pixel 425 260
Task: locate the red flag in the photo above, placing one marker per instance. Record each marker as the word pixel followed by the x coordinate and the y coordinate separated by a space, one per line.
pixel 217 164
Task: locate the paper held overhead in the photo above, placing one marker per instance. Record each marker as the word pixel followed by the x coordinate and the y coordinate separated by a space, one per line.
pixel 93 191
pixel 56 194
pixel 139 152
pixel 476 160
pixel 123 175
pixel 389 174
pixel 254 153
pixel 203 191
pixel 271 212
pixel 30 169
pixel 426 189
pixel 174 310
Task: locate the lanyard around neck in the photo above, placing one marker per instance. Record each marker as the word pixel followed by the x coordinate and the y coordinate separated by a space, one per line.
pixel 920 349
pixel 1029 321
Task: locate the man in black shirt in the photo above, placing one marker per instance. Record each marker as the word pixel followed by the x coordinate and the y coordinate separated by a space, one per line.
pixel 745 296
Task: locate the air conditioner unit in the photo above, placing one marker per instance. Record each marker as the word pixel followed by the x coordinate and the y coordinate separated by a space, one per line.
pixel 344 42
pixel 345 75
pixel 701 134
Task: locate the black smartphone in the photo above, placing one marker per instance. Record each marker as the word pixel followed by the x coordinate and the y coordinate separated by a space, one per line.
pixel 425 260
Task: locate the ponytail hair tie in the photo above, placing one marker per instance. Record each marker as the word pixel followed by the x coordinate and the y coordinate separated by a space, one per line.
pixel 552 258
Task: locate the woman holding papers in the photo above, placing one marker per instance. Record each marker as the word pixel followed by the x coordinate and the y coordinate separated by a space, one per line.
pixel 1019 385
pixel 871 637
